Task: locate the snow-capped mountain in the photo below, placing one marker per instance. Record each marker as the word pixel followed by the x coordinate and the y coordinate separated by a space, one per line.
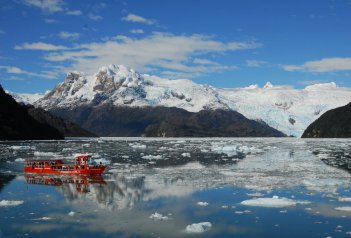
pixel 26 98
pixel 285 108
pixel 122 86
pixel 282 107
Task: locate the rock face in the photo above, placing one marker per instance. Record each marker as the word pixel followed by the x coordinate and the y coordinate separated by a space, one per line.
pixel 65 127
pixel 110 120
pixel 17 124
pixel 335 123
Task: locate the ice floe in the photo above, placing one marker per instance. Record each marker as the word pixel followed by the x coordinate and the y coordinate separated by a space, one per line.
pixel 20 147
pixel 40 153
pixel 71 213
pixel 344 199
pixel 186 155
pixel 19 160
pixel 152 157
pixel 344 209
pixel 275 201
pixel 203 204
pixel 198 227
pixel 43 219
pixel 137 146
pixel 9 203
pixel 158 217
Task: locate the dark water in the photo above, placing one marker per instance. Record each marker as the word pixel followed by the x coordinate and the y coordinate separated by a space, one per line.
pixel 157 188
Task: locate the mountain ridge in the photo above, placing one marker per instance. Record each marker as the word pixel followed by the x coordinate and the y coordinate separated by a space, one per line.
pixel 281 107
pixel 335 123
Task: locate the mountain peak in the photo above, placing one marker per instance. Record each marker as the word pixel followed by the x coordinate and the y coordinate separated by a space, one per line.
pixel 268 85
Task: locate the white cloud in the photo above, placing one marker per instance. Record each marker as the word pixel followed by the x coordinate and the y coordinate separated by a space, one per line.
pixel 94 17
pixel 19 71
pixel 255 63
pixel 69 35
pixel 204 61
pixel 48 20
pixel 323 65
pixel 52 6
pixel 139 19
pixel 311 82
pixel 168 52
pixel 137 31
pixel 73 12
pixel 40 46
pixel 48 6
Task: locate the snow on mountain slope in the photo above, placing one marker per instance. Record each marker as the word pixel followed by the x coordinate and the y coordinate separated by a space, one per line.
pixel 284 108
pixel 26 98
pixel 124 87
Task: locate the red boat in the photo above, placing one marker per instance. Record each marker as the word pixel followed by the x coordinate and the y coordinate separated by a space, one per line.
pixel 84 165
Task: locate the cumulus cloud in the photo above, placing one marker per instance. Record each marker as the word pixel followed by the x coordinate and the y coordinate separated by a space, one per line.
pixel 323 65
pixel 74 12
pixel 18 71
pixel 168 54
pixel 40 46
pixel 255 63
pixel 48 20
pixel 52 6
pixel 69 35
pixel 138 19
pixel 137 31
pixel 94 17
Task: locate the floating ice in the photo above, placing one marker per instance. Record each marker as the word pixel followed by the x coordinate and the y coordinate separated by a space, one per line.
pixel 40 153
pixel 43 219
pixel 198 227
pixel 8 203
pixel 71 213
pixel 20 147
pixel 19 160
pixel 150 157
pixel 203 204
pixel 344 209
pixel 344 199
pixel 255 194
pixel 231 150
pixel 275 201
pixel 158 217
pixel 186 155
pixel 137 146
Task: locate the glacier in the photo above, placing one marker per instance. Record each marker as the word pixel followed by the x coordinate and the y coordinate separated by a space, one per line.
pixel 284 108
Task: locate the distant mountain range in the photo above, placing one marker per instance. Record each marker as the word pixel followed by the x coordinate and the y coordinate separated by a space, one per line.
pixel 127 94
pixel 335 123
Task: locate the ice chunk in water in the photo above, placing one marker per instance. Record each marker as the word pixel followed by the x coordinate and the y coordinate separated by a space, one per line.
pixel 71 213
pixel 158 217
pixel 344 209
pixel 8 203
pixel 275 201
pixel 198 227
pixel 203 204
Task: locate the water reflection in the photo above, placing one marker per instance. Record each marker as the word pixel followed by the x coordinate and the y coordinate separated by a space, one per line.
pixel 81 183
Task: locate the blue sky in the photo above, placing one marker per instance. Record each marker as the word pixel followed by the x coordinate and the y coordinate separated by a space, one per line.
pixel 223 43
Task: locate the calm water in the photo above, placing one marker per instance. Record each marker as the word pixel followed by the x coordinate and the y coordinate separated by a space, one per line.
pixel 158 188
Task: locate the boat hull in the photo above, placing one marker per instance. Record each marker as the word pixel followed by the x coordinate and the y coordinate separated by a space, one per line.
pixel 49 170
